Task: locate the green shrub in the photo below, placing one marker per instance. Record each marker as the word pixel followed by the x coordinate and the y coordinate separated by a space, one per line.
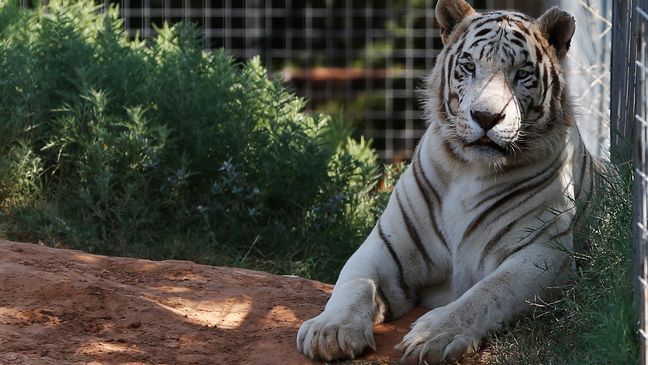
pixel 158 149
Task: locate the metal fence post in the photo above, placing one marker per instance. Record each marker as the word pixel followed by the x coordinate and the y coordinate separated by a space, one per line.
pixel 640 139
pixel 629 128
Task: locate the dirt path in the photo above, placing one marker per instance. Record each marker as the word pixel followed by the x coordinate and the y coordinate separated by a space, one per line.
pixel 66 307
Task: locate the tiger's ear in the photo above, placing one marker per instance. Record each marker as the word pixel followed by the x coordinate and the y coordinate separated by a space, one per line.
pixel 558 28
pixel 449 13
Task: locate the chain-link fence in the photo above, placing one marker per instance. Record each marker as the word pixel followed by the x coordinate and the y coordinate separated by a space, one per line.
pixel 629 116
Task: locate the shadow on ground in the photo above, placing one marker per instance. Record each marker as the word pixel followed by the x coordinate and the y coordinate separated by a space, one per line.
pixel 62 306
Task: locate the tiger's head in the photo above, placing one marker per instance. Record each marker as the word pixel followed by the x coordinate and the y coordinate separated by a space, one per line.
pixel 497 93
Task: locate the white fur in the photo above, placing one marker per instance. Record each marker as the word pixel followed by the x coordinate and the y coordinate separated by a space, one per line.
pixel 479 281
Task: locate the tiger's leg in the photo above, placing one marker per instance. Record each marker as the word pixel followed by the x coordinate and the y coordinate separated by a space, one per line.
pixel 380 279
pixel 450 331
pixel 345 328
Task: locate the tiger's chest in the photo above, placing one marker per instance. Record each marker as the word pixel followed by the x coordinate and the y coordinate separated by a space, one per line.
pixel 456 215
pixel 460 211
pixel 478 214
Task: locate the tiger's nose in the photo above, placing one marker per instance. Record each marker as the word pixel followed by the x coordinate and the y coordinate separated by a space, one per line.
pixel 486 120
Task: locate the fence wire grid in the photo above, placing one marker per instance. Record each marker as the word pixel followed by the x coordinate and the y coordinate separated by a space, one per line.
pixel 629 117
pixel 361 59
pixel 588 71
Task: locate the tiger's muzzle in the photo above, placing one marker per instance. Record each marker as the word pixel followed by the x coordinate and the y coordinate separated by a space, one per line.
pixel 492 115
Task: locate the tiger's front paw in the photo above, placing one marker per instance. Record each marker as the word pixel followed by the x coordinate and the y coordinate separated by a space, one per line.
pixel 332 336
pixel 437 336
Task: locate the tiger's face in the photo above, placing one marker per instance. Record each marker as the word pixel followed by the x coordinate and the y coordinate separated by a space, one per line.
pixel 496 93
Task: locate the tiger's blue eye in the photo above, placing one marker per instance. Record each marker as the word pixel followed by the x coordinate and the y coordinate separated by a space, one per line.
pixel 522 74
pixel 469 66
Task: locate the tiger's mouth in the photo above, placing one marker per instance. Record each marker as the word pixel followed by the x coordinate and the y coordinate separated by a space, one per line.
pixel 486 143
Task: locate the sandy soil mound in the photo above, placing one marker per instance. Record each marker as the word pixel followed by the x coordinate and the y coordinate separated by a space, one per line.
pixel 64 307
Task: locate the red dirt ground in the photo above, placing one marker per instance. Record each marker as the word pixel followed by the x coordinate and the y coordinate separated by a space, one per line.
pixel 68 307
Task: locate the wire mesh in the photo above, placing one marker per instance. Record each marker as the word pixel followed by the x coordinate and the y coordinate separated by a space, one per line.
pixel 629 115
pixel 362 59
pixel 588 71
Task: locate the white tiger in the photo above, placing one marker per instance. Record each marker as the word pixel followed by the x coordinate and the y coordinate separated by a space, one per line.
pixel 472 227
